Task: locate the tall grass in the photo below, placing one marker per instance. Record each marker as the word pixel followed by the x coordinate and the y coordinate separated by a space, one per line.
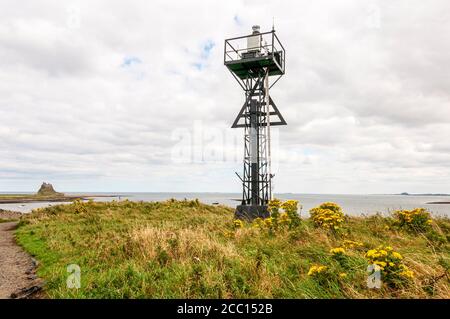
pixel 185 249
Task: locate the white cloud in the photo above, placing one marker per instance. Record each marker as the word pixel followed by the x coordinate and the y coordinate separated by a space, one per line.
pixel 366 94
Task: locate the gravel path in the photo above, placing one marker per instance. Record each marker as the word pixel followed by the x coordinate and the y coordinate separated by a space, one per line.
pixel 17 278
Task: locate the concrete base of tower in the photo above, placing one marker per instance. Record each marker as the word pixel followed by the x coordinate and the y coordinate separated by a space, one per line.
pixel 251 212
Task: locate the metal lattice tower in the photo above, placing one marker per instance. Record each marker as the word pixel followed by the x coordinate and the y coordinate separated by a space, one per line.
pixel 252 60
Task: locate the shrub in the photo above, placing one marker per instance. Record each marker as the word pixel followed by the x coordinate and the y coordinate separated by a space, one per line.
pixel 289 216
pixel 390 263
pixel 316 270
pixel 264 224
pixel 290 207
pixel 417 219
pixel 339 255
pixel 337 251
pixel 268 223
pixel 321 274
pixel 284 220
pixel 328 216
pixel 79 207
pixel 274 207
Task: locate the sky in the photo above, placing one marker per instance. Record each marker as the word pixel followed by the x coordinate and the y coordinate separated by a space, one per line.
pixel 134 97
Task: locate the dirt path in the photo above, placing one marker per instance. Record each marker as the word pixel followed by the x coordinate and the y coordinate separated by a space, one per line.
pixel 17 277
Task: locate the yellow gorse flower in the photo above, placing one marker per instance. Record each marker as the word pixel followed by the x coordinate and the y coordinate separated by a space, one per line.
pixel 417 219
pixel 290 206
pixel 284 219
pixel 389 262
pixel 238 223
pixel 228 234
pixel 274 204
pixel 337 251
pixel 350 244
pixel 267 223
pixel 406 272
pixel 314 270
pixel 287 217
pixel 397 255
pixel 327 215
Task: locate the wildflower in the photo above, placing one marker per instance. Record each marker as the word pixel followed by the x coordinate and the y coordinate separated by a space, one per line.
pixel 350 244
pixel 397 255
pixel 343 275
pixel 228 234
pixel 382 264
pixel 268 222
pixel 389 262
pixel 417 219
pixel 314 270
pixel 406 272
pixel 284 219
pixel 382 252
pixel 327 215
pixel 274 205
pixel 238 223
pixel 337 251
pixel 257 223
pixel 290 206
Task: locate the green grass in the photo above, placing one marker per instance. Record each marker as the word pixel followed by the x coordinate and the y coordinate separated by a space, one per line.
pixel 20 197
pixel 185 249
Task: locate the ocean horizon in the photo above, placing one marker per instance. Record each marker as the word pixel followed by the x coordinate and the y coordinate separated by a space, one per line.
pixel 352 204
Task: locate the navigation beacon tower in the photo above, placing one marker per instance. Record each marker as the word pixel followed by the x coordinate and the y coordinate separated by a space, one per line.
pixel 252 60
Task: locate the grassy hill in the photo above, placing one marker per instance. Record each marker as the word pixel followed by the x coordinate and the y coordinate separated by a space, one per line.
pixel 185 249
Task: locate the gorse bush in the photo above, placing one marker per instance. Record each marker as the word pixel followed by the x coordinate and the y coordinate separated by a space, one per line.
pixel 290 207
pixel 417 219
pixel 337 251
pixel 288 217
pixel 390 263
pixel 274 206
pixel 323 275
pixel 328 216
pixel 316 270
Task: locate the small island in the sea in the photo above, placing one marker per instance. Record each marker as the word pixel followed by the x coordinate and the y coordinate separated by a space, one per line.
pixel 447 202
pixel 46 193
pixel 424 194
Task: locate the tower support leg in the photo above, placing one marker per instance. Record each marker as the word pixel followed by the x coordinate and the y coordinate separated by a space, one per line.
pixel 254 205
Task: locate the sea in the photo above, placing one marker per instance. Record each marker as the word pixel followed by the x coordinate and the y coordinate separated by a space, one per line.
pixel 356 205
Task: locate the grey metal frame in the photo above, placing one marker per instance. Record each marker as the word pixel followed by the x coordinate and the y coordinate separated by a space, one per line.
pixel 256 182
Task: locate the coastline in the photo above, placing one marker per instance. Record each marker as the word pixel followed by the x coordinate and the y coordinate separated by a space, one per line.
pixel 20 199
pixel 438 203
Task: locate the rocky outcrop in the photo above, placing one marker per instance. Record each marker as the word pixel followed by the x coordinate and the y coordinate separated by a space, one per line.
pixel 48 190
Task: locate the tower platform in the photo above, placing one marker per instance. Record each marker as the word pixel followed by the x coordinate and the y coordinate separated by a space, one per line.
pixel 266 51
pixel 244 66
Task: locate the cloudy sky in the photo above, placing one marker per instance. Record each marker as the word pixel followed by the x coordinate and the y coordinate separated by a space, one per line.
pixel 115 96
